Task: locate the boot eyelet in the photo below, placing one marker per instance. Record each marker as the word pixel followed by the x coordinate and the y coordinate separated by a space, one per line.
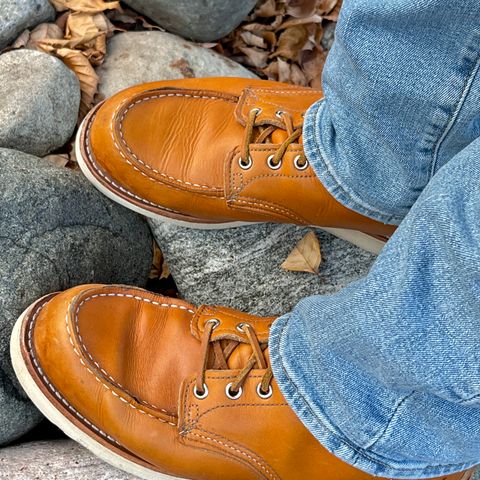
pixel 241 326
pixel 243 165
pixel 297 165
pixel 279 113
pixel 214 321
pixel 257 110
pixel 233 395
pixel 263 394
pixel 200 395
pixel 271 165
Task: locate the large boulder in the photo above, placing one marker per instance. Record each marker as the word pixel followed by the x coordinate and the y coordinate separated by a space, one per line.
pixel 241 267
pixel 40 101
pixel 139 57
pixel 200 20
pixel 21 14
pixel 55 459
pixel 56 231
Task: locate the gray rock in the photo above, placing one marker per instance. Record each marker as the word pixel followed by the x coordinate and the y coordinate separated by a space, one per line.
pixel 40 100
pixel 21 14
pixel 58 459
pixel 200 20
pixel 138 57
pixel 240 267
pixel 56 231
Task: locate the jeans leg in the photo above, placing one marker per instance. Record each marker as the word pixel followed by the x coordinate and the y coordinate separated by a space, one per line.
pixel 402 97
pixel 386 373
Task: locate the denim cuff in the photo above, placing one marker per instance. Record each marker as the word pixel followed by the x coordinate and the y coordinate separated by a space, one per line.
pixel 325 429
pixel 330 177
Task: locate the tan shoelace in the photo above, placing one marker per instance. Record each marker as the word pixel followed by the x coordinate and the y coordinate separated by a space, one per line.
pixel 264 133
pixel 216 353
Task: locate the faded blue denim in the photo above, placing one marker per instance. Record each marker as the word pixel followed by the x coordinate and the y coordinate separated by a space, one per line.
pixel 386 373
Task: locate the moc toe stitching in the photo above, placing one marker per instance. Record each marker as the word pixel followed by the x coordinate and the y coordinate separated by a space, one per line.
pixel 132 104
pixel 49 385
pixel 97 365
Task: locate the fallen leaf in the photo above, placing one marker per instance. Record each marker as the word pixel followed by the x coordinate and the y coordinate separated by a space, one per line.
pixel 284 71
pixel 306 255
pixel 84 6
pixel 268 8
pixel 60 159
pixel 81 26
pixel 326 6
pixel 301 8
pixel 42 32
pixel 255 57
pixel 159 268
pixel 312 63
pixel 291 42
pixel 253 40
pixel 22 40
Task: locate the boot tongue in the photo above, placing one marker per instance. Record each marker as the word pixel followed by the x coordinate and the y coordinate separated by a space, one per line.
pixel 238 358
pixel 279 136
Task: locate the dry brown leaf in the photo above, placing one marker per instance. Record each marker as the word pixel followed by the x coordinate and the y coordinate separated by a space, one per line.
pixel 81 26
pixel 301 21
pixel 297 77
pixel 60 159
pixel 253 40
pixel 84 6
pixel 159 265
pixel 291 42
pixel 301 8
pixel 22 40
pixel 306 256
pixel 268 9
pixel 326 6
pixel 255 57
pixel 42 32
pixel 312 63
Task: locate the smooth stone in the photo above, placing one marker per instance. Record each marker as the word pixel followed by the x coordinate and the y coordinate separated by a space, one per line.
pixel 56 231
pixel 40 101
pixel 138 57
pixel 58 459
pixel 199 20
pixel 240 267
pixel 22 14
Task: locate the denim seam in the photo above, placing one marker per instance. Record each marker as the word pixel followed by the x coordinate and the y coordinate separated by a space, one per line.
pixel 345 441
pixel 448 127
pixel 356 201
pixel 392 417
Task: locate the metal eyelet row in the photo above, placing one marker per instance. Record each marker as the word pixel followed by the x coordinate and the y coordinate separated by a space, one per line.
pixel 231 394
pixel 273 166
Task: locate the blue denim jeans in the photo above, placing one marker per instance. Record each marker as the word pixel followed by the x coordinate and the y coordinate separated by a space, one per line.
pixel 386 373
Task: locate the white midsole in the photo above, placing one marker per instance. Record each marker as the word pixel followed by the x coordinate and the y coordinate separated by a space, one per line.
pixel 56 417
pixel 361 240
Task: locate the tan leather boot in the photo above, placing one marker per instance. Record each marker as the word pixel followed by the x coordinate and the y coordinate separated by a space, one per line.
pixel 214 153
pixel 162 389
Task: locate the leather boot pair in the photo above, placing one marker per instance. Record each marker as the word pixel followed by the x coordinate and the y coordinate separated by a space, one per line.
pixel 165 390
